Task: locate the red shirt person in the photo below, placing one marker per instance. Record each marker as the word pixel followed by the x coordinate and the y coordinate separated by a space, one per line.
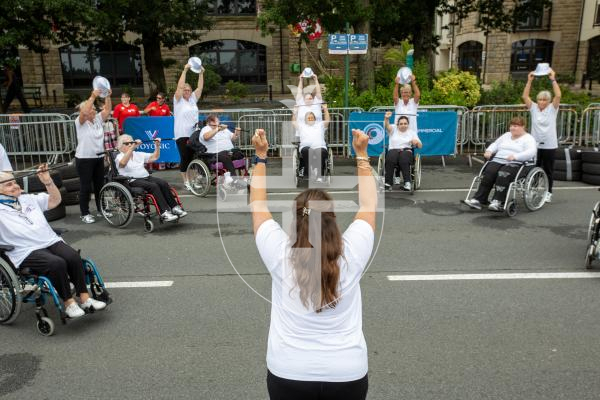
pixel 158 108
pixel 125 110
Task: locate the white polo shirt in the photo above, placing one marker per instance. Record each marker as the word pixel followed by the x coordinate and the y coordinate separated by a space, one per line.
pixel 305 345
pixel 26 230
pixel 90 138
pixel 522 148
pixel 410 110
pixel 220 142
pixel 4 161
pixel 543 126
pixel 400 140
pixel 186 115
pixel 312 136
pixel 135 165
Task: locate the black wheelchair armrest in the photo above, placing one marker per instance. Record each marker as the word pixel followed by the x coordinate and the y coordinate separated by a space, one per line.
pixel 60 231
pixel 5 248
pixel 120 178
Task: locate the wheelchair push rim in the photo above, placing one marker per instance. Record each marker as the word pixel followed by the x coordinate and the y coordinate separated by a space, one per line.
pixel 117 205
pixel 199 178
pixel 536 187
pixel 10 294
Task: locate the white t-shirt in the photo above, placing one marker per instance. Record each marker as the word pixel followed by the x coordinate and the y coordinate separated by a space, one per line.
pixel 4 161
pixel 26 230
pixel 308 346
pixel 523 148
pixel 312 136
pixel 543 126
pixel 399 140
pixel 220 142
pixel 303 109
pixel 410 110
pixel 135 165
pixel 186 115
pixel 90 138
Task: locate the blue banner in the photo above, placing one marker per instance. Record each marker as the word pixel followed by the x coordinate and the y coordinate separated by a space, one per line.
pixel 437 131
pixel 148 128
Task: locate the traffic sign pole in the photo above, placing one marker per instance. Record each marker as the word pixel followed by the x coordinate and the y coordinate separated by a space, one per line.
pixel 347 74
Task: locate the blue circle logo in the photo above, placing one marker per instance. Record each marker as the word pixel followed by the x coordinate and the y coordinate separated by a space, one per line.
pixel 375 132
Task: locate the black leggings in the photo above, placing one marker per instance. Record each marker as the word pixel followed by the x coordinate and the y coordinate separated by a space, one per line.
pixel 13 91
pixel 545 159
pixel 59 263
pixel 404 158
pixel 185 153
pixel 312 156
pixel 287 389
pixel 91 172
pixel 224 157
pixel 159 188
pixel 500 176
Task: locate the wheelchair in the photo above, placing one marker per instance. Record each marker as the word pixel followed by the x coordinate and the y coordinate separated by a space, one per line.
pixel 119 201
pixel 530 186
pixel 593 237
pixel 204 171
pixel 308 175
pixel 415 172
pixel 19 286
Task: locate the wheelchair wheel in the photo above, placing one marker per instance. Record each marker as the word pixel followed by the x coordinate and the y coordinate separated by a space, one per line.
pixel 511 209
pixel 295 166
pixel 117 204
pixel 198 176
pixel 10 293
pixel 417 172
pixel 380 172
pixel 148 226
pixel 536 186
pixel 592 231
pixel 45 326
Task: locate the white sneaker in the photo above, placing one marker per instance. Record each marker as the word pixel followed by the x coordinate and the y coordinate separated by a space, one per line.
pixel 495 205
pixel 473 203
pixel 167 216
pixel 88 219
pixel 548 198
pixel 407 186
pixel 396 180
pixel 320 180
pixel 228 178
pixel 74 311
pixel 96 304
pixel 178 211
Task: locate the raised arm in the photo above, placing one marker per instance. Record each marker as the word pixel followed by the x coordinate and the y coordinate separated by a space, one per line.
pixel 326 117
pixel 54 198
pixel 105 113
pixel 317 88
pixel 367 190
pixel 156 155
pixel 129 153
pixel 88 105
pixel 299 94
pixel 386 122
pixel 555 89
pixel 181 83
pixel 198 91
pixel 258 188
pixel 527 90
pixel 415 89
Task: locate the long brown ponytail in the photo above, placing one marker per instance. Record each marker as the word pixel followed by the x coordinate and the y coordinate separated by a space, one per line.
pixel 315 265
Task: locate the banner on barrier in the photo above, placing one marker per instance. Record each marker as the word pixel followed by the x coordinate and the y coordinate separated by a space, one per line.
pixel 148 128
pixel 437 131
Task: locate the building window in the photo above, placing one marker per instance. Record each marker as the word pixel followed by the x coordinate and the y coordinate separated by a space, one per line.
pixel 469 57
pixel 120 64
pixel 539 22
pixel 526 54
pixel 232 7
pixel 234 60
pixel 597 17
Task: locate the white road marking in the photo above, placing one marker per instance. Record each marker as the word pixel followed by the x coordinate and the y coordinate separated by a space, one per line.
pixel 138 284
pixel 499 276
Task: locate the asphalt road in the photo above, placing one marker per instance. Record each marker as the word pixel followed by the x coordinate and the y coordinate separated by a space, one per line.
pixel 205 336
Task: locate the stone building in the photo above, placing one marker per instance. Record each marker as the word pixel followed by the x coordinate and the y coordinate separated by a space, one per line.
pixel 566 36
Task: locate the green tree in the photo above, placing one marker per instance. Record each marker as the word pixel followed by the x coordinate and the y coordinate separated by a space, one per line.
pixel 156 23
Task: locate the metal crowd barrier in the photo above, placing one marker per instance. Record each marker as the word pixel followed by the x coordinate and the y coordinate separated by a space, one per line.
pixel 589 127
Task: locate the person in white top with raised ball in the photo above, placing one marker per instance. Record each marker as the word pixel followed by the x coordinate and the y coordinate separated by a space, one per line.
pixel 316 347
pixel 400 149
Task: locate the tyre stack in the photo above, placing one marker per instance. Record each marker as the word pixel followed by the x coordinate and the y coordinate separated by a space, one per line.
pixel 590 167
pixel 70 184
pixel 567 164
pixel 32 184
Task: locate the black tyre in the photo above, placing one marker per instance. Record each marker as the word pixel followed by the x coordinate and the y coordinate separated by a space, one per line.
pixel 68 172
pixel 511 209
pixel 591 157
pixel 591 179
pixel 198 176
pixel 45 326
pixel 591 169
pixel 56 213
pixel 71 198
pixel 574 154
pixel 117 204
pixel 559 165
pixel 72 185
pixel 10 293
pixel 562 176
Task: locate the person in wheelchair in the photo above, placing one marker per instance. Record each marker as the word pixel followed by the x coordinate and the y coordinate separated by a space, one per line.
pixel 400 152
pixel 130 163
pixel 312 146
pixel 36 247
pixel 218 140
pixel 508 153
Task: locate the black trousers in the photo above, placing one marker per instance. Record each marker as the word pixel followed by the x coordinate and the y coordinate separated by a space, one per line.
pixel 60 263
pixel 91 173
pixel 185 153
pixel 225 158
pixel 545 159
pixel 287 389
pixel 402 158
pixel 160 189
pixel 13 91
pixel 313 156
pixel 500 176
